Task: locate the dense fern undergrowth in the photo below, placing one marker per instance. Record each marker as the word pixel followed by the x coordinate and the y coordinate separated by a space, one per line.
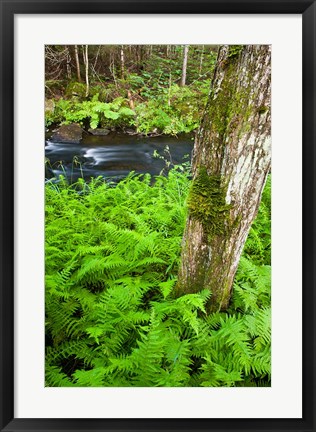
pixel 112 256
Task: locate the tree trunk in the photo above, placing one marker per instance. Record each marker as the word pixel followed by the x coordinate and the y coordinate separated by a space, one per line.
pixel 112 70
pixel 201 60
pixel 122 63
pixel 231 160
pixel 130 100
pixel 184 65
pixel 77 63
pixel 169 89
pixel 97 57
pixel 86 62
pixel 68 62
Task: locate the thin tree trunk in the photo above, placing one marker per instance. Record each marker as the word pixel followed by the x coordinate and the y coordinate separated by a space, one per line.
pixel 112 70
pixel 139 54
pixel 122 63
pixel 184 65
pixel 86 62
pixel 68 60
pixel 77 63
pixel 169 89
pixel 231 160
pixel 130 100
pixel 201 60
pixel 97 57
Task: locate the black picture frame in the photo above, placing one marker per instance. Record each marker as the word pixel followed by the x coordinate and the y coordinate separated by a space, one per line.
pixel 8 10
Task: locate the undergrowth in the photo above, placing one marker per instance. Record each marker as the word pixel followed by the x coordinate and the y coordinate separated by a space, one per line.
pixel 168 111
pixel 93 112
pixel 112 255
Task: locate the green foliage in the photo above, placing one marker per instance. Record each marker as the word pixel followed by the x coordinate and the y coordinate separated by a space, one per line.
pixel 258 246
pixel 112 255
pixel 160 68
pixel 150 83
pixel 95 112
pixel 166 110
pixel 152 118
pixel 171 110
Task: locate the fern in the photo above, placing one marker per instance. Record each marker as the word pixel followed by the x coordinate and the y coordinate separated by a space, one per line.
pixel 94 111
pixel 112 256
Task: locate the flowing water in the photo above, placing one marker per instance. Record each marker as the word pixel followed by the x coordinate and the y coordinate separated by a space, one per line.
pixel 115 155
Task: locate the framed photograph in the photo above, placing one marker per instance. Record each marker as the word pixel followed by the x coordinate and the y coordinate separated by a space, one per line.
pixel 157 215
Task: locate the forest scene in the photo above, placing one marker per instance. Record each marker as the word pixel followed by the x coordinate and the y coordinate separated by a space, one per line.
pixel 157 216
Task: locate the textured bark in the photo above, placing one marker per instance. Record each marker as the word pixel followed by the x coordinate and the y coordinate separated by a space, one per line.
pixel 233 146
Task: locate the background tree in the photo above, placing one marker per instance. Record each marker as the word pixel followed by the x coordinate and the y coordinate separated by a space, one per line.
pixel 57 62
pixel 122 62
pixel 184 65
pixel 77 63
pixel 231 161
pixel 85 51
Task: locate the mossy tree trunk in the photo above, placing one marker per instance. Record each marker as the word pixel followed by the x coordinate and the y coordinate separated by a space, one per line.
pixel 231 161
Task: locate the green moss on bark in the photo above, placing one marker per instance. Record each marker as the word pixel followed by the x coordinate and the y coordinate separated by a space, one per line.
pixel 207 203
pixel 263 109
pixel 230 107
pixel 235 50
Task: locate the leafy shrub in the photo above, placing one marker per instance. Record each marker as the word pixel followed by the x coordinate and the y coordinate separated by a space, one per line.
pixel 258 246
pixel 151 118
pixel 168 110
pixel 171 111
pixel 112 256
pixel 95 112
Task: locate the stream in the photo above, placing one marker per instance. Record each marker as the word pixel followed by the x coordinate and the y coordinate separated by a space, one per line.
pixel 114 156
